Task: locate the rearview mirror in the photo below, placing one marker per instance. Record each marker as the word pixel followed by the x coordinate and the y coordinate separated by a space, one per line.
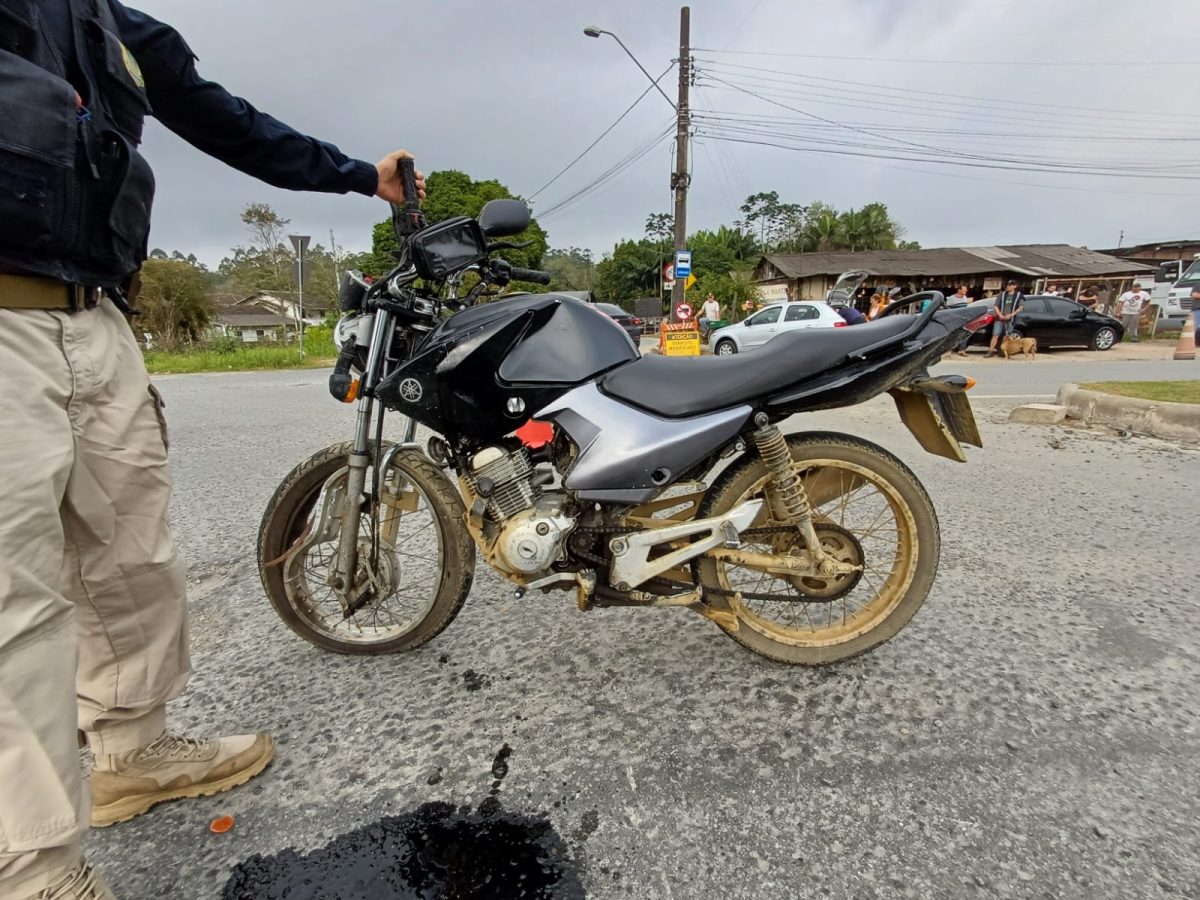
pixel 500 218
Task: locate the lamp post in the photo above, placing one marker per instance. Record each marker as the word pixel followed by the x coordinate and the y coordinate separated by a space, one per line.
pixel 680 177
pixel 300 244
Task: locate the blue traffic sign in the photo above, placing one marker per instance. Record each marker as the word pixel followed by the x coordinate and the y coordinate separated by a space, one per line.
pixel 683 263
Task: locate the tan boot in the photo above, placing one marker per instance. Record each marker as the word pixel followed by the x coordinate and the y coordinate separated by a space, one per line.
pixel 80 883
pixel 172 768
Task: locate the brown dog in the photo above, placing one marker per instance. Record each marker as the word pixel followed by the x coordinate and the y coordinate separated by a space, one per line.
pixel 1013 345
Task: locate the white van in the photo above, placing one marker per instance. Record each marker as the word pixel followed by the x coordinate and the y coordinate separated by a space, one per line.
pixel 1172 291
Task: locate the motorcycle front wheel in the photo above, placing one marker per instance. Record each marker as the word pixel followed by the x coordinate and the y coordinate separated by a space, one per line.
pixel 868 510
pixel 420 577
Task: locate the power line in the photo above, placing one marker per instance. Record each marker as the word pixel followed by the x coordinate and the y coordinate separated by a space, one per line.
pixel 999 165
pixel 925 148
pixel 604 133
pixel 900 101
pixel 950 62
pixel 616 169
pixel 874 88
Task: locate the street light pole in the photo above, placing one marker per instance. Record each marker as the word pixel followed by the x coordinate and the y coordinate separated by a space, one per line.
pixel 680 177
pixel 300 244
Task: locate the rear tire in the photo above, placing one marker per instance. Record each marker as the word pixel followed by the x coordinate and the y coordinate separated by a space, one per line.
pixel 285 519
pixel 726 348
pixel 893 596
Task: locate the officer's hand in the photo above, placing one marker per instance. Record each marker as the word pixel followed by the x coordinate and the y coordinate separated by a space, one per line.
pixel 390 187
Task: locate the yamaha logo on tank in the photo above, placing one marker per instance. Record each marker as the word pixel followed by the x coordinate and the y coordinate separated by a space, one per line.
pixel 411 390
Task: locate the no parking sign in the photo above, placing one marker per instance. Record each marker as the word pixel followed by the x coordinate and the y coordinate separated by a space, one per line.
pixel 683 312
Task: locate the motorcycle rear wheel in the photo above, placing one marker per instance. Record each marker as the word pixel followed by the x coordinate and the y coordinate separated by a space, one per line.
pixel 872 510
pixel 428 565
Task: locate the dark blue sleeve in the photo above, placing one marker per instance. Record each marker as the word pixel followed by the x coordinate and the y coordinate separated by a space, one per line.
pixel 227 127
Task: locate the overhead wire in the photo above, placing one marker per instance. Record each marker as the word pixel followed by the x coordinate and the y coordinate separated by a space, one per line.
pixel 621 166
pixel 940 152
pixel 604 133
pixel 954 62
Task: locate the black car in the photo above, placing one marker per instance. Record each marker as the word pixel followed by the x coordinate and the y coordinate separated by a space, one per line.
pixel 631 323
pixel 1059 322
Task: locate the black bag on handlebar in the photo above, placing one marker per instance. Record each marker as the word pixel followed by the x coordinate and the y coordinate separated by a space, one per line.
pixel 447 247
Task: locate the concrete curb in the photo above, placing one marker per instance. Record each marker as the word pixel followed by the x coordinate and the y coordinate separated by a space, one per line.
pixel 1172 421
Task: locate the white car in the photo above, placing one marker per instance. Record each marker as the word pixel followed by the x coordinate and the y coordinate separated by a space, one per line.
pixel 771 321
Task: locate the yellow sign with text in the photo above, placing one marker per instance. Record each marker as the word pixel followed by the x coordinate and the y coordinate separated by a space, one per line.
pixel 681 343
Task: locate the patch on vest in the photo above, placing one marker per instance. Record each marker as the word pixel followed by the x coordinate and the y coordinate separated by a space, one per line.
pixel 131 64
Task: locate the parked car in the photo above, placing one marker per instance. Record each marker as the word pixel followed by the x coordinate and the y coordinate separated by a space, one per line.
pixel 1059 322
pixel 773 320
pixel 631 323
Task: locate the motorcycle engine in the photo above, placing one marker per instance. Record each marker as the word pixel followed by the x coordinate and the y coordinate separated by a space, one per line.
pixel 524 529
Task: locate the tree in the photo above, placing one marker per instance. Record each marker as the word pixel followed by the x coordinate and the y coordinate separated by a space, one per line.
pixel 630 271
pixel 731 289
pixel 453 193
pixel 173 301
pixel 778 223
pixel 571 269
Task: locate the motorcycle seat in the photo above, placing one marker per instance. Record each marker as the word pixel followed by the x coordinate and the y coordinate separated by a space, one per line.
pixel 677 387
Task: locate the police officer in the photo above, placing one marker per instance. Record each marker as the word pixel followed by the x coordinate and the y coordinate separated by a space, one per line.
pixel 93 619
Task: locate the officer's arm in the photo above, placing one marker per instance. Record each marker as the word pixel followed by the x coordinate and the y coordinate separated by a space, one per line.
pixel 227 127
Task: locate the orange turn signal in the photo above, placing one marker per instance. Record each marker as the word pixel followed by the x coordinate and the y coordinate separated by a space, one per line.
pixel 970 383
pixel 352 393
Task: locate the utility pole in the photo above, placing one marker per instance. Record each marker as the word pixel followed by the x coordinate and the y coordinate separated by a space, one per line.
pixel 680 178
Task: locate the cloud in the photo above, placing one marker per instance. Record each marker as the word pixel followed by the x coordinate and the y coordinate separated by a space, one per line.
pixel 514 91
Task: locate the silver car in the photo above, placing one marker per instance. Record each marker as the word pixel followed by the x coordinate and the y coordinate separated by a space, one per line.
pixel 773 320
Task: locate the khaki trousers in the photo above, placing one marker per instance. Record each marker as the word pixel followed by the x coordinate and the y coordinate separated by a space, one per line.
pixel 93 616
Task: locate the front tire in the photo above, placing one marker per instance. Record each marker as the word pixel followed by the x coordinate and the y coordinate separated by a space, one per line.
pixel 439 580
pixel 1104 338
pixel 856 489
pixel 726 348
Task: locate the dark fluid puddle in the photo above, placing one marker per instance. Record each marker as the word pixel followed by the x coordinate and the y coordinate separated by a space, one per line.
pixel 435 852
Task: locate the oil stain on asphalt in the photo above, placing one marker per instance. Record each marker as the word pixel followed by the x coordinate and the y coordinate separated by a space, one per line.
pixel 435 852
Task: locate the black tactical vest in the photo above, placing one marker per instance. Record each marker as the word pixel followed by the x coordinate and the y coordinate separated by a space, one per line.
pixel 75 193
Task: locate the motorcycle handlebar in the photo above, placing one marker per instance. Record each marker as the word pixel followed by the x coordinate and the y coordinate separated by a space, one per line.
pixel 408 219
pixel 533 275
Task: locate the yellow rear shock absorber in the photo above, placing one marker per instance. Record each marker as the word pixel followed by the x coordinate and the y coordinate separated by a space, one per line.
pixel 791 499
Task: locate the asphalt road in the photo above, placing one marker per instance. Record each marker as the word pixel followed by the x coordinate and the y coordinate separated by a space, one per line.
pixel 1032 733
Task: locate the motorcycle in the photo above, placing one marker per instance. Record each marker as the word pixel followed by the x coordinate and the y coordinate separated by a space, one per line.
pixel 664 482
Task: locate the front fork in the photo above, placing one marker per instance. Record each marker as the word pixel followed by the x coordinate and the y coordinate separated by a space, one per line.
pixel 342 578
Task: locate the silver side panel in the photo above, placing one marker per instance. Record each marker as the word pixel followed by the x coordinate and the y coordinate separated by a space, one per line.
pixel 627 455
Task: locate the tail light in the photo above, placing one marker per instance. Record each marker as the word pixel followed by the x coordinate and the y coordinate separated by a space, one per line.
pixel 635 321
pixel 840 323
pixel 982 322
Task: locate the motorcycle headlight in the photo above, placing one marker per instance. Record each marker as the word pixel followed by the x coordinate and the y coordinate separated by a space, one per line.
pixel 346 330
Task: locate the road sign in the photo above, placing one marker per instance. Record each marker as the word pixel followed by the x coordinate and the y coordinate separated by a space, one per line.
pixel 668 274
pixel 683 263
pixel 683 312
pixel 679 339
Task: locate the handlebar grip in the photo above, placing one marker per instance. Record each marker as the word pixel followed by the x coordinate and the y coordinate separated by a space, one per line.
pixel 533 275
pixel 408 219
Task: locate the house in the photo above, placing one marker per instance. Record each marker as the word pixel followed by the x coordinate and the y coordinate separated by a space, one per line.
pixel 1155 253
pixel 1037 267
pixel 261 316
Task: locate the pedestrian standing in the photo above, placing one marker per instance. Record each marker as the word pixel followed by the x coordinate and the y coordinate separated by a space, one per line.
pixel 1006 308
pixel 1089 297
pixel 710 312
pixel 93 612
pixel 957 300
pixel 1131 303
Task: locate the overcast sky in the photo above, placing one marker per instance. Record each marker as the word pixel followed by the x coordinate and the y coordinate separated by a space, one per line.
pixel 514 91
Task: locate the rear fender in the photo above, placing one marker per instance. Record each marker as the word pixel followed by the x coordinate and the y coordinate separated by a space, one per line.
pixel 940 420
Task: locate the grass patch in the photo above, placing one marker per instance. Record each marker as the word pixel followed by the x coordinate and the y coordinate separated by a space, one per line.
pixel 161 362
pixel 1168 391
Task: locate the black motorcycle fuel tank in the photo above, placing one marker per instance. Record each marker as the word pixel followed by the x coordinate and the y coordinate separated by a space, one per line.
pixel 482 372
